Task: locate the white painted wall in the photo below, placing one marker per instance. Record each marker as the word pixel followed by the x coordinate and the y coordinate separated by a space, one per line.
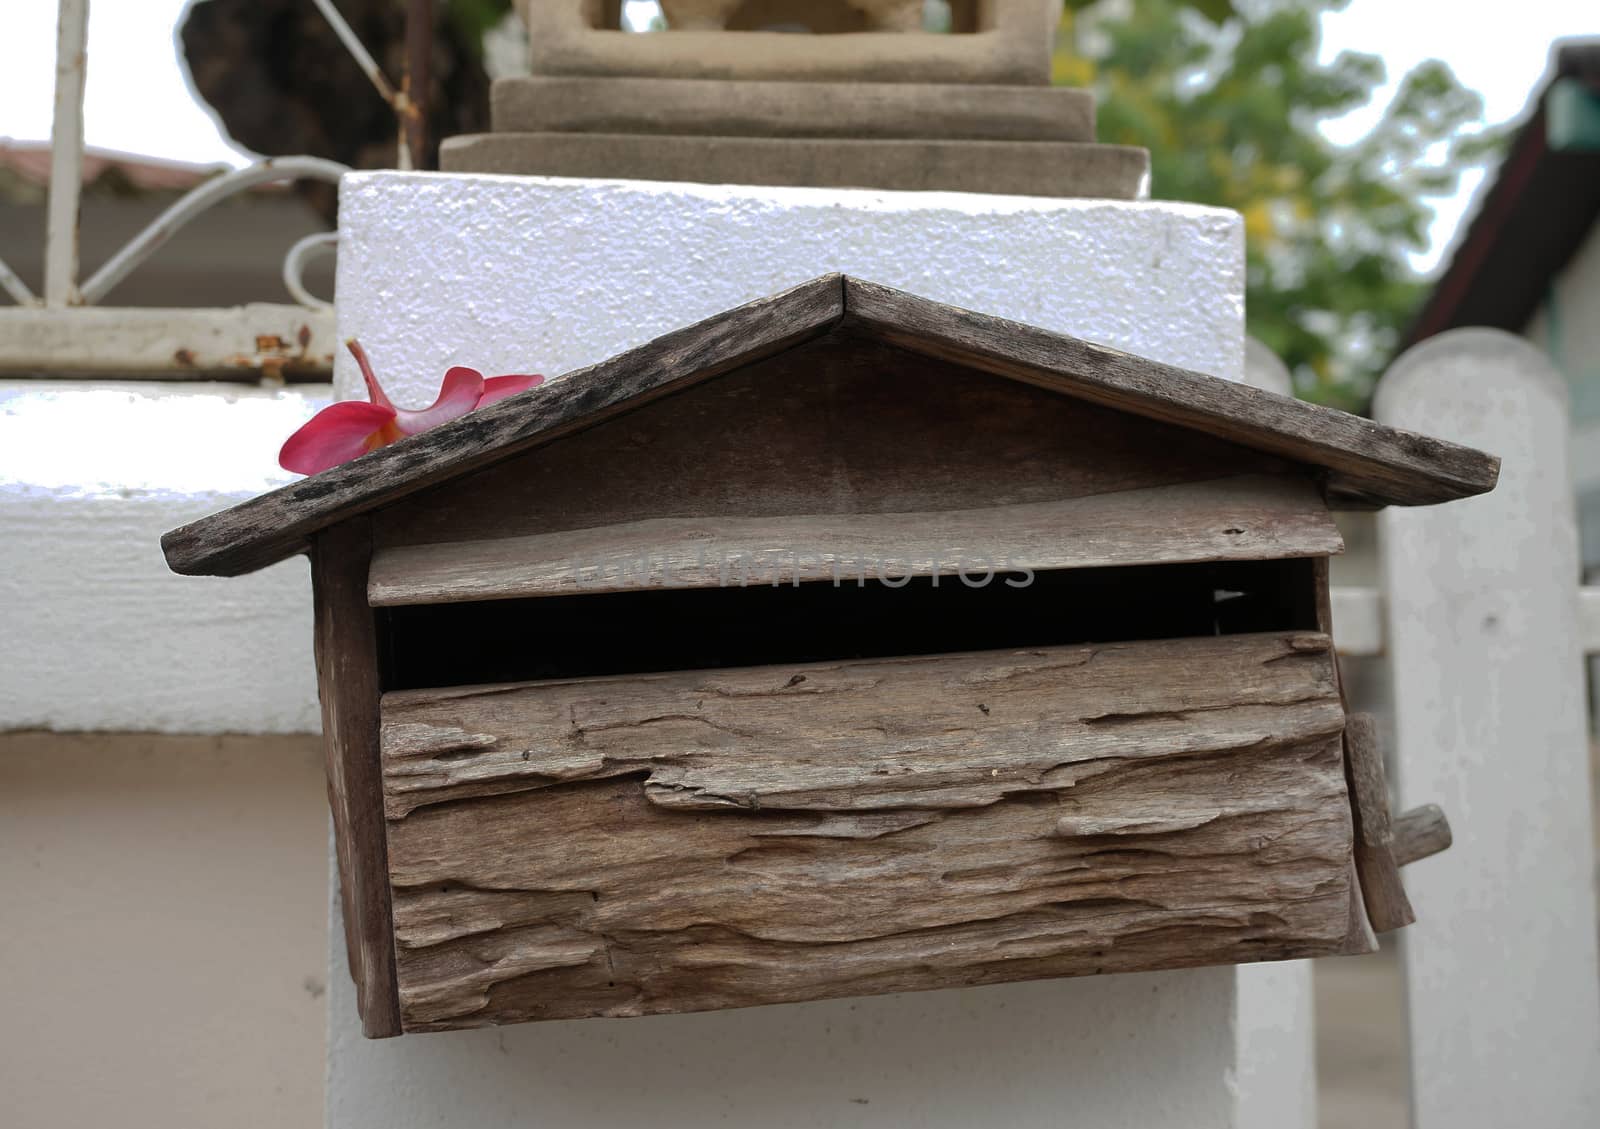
pixel 518 274
pixel 163 937
pixel 1566 329
pixel 508 274
pixel 95 632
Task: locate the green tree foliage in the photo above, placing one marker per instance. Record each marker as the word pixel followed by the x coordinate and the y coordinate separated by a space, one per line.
pixel 1229 98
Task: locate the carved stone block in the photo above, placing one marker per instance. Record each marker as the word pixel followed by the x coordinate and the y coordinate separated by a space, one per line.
pixel 1014 168
pixel 872 40
pixel 897 111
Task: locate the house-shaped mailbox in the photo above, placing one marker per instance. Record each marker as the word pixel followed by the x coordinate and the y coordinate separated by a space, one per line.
pixel 843 643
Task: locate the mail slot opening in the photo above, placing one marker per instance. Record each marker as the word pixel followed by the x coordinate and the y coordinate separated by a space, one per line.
pixel 634 632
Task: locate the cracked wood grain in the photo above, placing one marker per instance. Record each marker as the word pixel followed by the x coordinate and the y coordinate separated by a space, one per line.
pixel 935 731
pixel 715 839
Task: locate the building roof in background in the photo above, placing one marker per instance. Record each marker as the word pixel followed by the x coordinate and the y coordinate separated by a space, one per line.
pixel 29 163
pixel 1534 215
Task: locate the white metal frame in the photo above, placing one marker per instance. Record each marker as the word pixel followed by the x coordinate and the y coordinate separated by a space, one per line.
pixel 1360 618
pixel 57 334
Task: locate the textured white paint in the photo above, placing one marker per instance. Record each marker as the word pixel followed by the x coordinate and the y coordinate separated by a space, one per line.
pixel 1489 717
pixel 508 274
pixel 518 274
pixel 96 633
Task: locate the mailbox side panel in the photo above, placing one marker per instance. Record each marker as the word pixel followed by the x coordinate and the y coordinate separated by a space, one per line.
pixel 348 683
pixel 713 839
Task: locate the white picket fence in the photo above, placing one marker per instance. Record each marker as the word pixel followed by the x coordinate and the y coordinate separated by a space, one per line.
pixel 1484 627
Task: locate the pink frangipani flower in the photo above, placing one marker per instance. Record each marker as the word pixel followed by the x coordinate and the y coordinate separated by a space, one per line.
pixel 342 431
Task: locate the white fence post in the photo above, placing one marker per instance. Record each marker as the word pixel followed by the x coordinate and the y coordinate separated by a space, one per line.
pixel 1490 723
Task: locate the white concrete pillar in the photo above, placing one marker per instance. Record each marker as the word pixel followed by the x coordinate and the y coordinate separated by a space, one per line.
pixel 519 274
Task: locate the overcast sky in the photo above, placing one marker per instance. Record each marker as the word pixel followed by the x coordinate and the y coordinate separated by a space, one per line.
pixel 138 99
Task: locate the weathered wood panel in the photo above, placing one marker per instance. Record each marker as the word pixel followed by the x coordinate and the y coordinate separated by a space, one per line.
pixel 1234 519
pixel 725 838
pixel 348 685
pixel 833 426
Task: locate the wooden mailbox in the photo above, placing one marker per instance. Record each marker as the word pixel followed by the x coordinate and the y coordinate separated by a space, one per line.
pixel 844 643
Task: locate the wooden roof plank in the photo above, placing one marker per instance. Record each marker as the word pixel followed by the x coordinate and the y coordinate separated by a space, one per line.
pixel 1365 463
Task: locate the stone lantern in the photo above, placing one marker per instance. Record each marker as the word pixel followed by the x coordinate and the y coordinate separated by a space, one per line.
pixel 862 97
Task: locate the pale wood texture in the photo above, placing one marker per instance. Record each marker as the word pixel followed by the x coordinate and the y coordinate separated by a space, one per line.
pixel 1255 518
pixel 723 838
pixel 347 682
pixel 1381 888
pixel 1366 464
pixel 1421 833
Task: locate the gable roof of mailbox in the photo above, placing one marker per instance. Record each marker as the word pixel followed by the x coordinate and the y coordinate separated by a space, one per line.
pixel 1365 464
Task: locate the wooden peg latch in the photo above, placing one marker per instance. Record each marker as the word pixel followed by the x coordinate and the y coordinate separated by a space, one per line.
pixel 1382 844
